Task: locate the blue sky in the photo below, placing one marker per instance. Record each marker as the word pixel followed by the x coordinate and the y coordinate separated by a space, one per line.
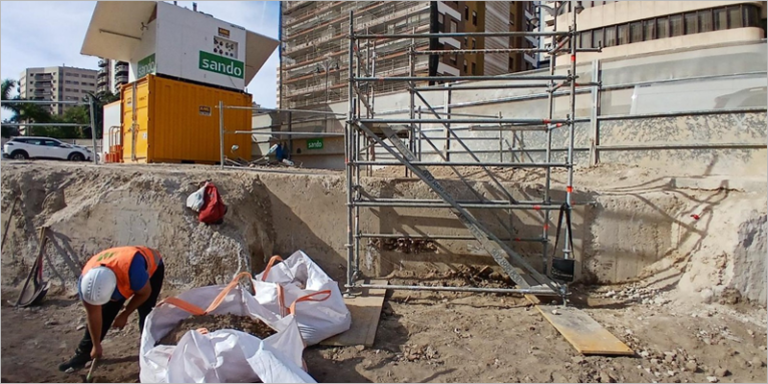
pixel 50 33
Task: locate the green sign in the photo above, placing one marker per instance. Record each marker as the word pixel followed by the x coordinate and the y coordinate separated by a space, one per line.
pixel 314 143
pixel 146 66
pixel 222 65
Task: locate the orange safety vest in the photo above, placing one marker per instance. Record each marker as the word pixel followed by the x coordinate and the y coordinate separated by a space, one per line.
pixel 119 261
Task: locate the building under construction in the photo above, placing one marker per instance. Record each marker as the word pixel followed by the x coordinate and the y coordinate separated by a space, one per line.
pixel 313 65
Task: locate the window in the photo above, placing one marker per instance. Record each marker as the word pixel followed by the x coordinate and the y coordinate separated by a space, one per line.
pixel 474 68
pixel 636 32
pixel 586 39
pixel 440 20
pixel 511 64
pixel 610 36
pixel 474 43
pixel 734 17
pixel 454 26
pixel 76 82
pixel 466 13
pixel 721 20
pixel 623 34
pixel 750 16
pixel 690 23
pixel 465 66
pixel 662 28
pixel 597 38
pixel 705 20
pixel 676 25
pixel 68 81
pixel 474 18
pixel 466 42
pixel 454 59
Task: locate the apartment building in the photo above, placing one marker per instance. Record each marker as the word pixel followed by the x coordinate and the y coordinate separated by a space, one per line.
pixel 56 84
pixel 314 44
pixel 112 75
pixel 625 28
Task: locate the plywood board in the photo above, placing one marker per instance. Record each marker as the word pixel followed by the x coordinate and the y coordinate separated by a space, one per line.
pixel 365 310
pixel 583 332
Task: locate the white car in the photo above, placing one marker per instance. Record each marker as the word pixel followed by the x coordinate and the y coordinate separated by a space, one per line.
pixel 31 147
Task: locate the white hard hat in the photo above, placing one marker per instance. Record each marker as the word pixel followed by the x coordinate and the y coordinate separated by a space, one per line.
pixel 97 285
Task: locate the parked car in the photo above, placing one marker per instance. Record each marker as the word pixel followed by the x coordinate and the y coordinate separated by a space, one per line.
pixel 30 147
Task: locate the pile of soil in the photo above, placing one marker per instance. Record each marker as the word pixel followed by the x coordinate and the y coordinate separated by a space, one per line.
pixel 214 323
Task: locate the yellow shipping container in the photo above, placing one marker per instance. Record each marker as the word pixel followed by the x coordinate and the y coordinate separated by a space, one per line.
pixel 177 122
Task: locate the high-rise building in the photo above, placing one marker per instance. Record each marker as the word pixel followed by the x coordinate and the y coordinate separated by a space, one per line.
pixel 56 84
pixel 314 44
pixel 625 28
pixel 112 75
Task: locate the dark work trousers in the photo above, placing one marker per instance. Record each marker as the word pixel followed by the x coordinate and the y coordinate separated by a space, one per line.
pixel 110 310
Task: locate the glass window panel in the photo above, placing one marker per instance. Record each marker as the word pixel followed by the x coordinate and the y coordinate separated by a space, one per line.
pixel 662 28
pixel 586 39
pixel 749 13
pixel 690 23
pixel 610 36
pixel 721 19
pixel 636 32
pixel 623 34
pixel 734 17
pixel 676 25
pixel 705 21
pixel 597 38
pixel 649 27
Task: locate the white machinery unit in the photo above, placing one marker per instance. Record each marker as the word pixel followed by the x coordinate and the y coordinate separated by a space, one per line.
pixel 165 39
pixel 111 131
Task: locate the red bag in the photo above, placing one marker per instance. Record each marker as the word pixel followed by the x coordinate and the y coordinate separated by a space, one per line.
pixel 213 209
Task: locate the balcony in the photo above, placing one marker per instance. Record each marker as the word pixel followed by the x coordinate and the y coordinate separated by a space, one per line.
pixel 103 63
pixel 121 69
pixel 103 71
pixel 102 80
pixel 121 79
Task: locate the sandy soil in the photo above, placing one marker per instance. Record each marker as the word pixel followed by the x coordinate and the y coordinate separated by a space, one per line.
pixel 213 323
pixel 429 337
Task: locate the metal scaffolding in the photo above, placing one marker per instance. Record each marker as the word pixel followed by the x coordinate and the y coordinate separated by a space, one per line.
pixel 403 138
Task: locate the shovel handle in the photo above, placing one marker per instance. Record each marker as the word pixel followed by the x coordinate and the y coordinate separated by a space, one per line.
pixel 89 378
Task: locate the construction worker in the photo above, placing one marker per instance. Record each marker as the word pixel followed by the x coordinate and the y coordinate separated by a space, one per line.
pixel 107 281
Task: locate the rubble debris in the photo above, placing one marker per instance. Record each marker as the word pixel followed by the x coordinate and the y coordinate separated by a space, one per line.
pixel 214 323
pixel 405 245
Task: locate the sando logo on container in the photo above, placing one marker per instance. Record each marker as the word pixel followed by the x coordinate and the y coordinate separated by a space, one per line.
pixel 146 66
pixel 222 65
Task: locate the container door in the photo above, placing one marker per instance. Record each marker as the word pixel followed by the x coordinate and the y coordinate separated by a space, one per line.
pixel 135 120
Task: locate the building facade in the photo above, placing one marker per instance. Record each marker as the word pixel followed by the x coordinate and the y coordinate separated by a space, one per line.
pixel 314 44
pixel 112 75
pixel 625 28
pixel 56 84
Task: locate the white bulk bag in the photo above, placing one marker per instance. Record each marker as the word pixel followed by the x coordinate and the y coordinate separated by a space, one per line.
pixel 224 355
pixel 196 200
pixel 298 277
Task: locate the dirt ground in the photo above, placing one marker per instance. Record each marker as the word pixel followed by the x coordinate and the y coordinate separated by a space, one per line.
pixel 433 337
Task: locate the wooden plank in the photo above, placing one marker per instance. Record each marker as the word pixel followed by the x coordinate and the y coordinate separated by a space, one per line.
pixel 365 310
pixel 583 332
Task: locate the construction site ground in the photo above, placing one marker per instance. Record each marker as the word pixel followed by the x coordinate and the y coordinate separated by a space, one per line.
pixel 449 337
pixel 422 336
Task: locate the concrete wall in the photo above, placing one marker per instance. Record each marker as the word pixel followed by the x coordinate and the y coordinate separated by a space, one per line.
pixel 676 81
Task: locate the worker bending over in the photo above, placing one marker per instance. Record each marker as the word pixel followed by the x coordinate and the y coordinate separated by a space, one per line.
pixel 107 281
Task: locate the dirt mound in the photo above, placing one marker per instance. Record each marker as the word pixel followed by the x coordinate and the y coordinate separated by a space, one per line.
pixel 89 209
pixel 214 323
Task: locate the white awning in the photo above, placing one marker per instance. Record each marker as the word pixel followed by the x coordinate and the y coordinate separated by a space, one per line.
pixel 115 28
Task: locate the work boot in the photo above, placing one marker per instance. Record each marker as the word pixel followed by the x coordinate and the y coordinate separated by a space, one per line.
pixel 76 362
